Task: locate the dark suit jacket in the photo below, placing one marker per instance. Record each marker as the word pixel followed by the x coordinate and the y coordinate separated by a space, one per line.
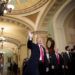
pixel 57 67
pixel 33 62
pixel 72 55
pixel 35 52
pixel 54 61
pixel 67 59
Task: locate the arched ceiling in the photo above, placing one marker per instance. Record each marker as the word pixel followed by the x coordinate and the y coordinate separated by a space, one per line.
pixel 15 31
pixel 21 20
pixel 28 15
pixel 55 6
pixel 27 6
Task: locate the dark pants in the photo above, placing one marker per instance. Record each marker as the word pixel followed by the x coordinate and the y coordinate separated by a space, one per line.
pixel 31 68
pixel 42 68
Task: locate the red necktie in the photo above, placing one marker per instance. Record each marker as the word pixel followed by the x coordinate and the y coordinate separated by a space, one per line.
pixel 58 60
pixel 42 54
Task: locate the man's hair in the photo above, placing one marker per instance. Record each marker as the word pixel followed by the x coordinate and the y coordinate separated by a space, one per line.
pixel 66 47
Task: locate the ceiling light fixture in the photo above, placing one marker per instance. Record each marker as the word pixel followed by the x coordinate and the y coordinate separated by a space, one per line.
pixel 5 7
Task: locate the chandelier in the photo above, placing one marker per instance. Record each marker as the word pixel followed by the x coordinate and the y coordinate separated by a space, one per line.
pixel 5 7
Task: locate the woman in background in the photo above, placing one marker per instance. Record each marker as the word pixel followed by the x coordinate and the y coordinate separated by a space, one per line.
pixel 50 52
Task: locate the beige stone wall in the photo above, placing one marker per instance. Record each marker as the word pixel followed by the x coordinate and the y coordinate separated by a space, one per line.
pixel 21 56
pixel 70 35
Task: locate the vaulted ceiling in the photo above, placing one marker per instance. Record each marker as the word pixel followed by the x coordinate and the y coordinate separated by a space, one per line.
pixel 29 15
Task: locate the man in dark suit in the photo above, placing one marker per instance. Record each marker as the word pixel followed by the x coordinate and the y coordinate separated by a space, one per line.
pixel 72 55
pixel 35 58
pixel 56 63
pixel 67 61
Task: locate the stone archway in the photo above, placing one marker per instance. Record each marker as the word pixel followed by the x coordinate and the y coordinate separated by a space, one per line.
pixel 58 22
pixel 69 27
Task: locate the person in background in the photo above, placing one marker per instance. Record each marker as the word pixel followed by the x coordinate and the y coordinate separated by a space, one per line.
pixel 55 63
pixel 50 43
pixel 67 60
pixel 50 52
pixel 72 56
pixel 73 49
pixel 15 68
pixel 1 63
pixel 48 64
pixel 58 62
pixel 9 66
pixel 24 65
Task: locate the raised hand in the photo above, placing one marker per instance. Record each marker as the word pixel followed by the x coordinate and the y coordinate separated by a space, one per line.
pixel 30 35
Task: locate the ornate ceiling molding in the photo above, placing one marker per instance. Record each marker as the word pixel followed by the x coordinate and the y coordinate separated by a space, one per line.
pixel 43 12
pixel 16 21
pixel 33 17
pixel 50 12
pixel 30 9
pixel 12 40
pixel 39 32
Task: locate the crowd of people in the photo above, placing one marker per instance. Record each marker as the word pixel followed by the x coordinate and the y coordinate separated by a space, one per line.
pixel 47 60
